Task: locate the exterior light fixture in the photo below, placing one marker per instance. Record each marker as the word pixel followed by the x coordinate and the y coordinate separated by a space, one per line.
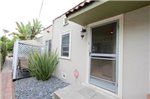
pixel 83 32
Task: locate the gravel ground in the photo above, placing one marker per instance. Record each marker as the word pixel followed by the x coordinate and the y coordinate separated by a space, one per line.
pixel 30 88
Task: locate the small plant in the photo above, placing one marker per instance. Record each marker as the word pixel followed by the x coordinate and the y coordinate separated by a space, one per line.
pixel 42 66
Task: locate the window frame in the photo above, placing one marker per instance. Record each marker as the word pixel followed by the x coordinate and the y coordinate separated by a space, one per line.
pixel 120 54
pixel 106 84
pixel 60 52
pixel 49 46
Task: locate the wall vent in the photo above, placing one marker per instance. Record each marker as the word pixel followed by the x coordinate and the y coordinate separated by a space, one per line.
pixel 63 75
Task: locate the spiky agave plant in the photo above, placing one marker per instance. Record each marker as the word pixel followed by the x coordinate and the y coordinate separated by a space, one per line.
pixel 43 65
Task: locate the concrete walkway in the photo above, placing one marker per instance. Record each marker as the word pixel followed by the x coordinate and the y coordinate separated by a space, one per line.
pixel 6 84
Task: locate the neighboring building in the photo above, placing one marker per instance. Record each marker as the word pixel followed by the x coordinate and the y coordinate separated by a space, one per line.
pixel 105 44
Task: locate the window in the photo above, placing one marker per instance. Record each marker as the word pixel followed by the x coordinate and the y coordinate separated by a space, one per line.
pixel 48 45
pixel 65 45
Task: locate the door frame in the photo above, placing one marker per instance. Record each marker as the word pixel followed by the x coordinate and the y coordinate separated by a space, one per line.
pixel 120 52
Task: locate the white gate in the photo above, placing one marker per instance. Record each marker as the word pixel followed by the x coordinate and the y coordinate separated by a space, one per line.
pixel 23 49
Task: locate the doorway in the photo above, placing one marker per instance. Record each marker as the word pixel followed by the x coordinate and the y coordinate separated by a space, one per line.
pixel 104 63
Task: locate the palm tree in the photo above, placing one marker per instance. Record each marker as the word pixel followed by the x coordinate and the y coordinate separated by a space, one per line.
pixel 35 28
pixel 29 30
pixel 23 31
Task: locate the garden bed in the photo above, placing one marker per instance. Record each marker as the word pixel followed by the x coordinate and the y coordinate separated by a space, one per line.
pixel 30 88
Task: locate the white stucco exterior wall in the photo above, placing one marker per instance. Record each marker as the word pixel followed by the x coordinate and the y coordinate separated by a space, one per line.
pixel 136 54
pixel 46 35
pixel 77 54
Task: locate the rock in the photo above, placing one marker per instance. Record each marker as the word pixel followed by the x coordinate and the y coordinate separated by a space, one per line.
pixel 30 88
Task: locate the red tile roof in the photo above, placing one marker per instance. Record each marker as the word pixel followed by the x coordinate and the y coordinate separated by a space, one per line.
pixel 79 7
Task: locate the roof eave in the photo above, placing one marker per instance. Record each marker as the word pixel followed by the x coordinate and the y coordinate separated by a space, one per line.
pixel 104 9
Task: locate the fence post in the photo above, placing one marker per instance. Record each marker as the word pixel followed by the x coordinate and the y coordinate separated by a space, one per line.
pixel 15 58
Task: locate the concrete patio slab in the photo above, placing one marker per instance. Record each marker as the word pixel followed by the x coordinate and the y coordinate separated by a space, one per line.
pixel 78 91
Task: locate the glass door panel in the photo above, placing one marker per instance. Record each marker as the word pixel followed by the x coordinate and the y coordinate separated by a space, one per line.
pixel 104 69
pixel 103 56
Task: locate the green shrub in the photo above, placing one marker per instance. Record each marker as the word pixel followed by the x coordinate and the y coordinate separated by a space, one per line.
pixel 10 44
pixel 3 49
pixel 0 62
pixel 42 66
pixel 0 55
pixel 3 52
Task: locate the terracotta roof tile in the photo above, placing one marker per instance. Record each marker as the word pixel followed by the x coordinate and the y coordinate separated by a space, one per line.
pixel 79 6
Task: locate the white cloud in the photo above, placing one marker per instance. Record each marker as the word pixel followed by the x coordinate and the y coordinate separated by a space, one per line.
pixel 25 10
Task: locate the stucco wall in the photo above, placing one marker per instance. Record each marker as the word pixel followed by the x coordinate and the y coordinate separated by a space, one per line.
pixel 45 35
pixel 78 51
pixel 136 57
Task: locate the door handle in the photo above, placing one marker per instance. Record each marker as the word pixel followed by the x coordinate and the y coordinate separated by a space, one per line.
pixel 89 53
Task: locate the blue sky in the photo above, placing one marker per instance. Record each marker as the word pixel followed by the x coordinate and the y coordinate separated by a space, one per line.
pixel 25 10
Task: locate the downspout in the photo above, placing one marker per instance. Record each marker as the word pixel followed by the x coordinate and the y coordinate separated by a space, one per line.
pixel 15 59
